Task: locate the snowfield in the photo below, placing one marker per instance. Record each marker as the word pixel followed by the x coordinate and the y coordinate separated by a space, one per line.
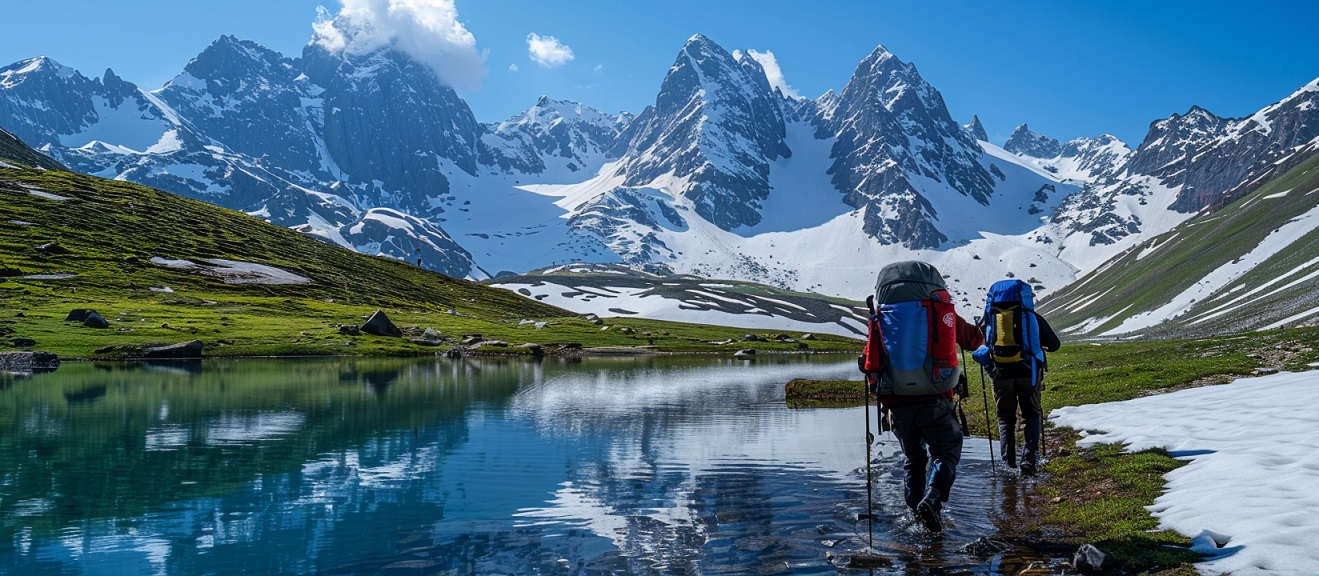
pixel 1247 495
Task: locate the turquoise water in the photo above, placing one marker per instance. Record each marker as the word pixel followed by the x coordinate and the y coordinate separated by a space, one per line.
pixel 674 465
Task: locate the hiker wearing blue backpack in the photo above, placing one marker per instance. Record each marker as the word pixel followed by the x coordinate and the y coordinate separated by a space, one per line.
pixel 911 362
pixel 1016 339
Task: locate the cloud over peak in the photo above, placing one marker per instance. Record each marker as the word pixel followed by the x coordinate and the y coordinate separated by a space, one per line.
pixel 428 31
pixel 548 51
pixel 767 61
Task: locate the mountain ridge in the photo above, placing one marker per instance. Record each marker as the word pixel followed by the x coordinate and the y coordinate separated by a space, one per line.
pixel 715 178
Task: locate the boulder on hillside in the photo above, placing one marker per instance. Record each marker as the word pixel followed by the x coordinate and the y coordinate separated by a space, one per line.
pixel 350 330
pixel 78 314
pixel 24 342
pixel 95 320
pixel 745 353
pixel 379 325
pixel 430 337
pixel 190 349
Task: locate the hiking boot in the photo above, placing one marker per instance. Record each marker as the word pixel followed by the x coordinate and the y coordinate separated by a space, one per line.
pixel 928 511
pixel 1010 461
pixel 1028 468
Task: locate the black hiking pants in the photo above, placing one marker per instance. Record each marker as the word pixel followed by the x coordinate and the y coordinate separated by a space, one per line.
pixel 1009 395
pixel 931 440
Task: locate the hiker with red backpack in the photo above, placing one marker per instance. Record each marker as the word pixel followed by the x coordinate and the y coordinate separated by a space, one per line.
pixel 911 362
pixel 1016 339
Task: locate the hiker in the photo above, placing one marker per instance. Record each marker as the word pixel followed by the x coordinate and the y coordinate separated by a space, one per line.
pixel 1014 355
pixel 911 361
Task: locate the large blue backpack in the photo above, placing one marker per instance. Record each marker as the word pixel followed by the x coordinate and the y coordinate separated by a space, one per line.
pixel 1012 331
pixel 912 344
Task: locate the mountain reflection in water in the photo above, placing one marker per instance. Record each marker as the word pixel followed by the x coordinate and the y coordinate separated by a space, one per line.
pixel 671 465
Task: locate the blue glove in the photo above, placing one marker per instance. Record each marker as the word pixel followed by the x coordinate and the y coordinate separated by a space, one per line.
pixel 981 356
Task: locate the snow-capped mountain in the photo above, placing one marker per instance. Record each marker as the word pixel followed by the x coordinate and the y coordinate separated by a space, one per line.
pixel 722 177
pixel 716 125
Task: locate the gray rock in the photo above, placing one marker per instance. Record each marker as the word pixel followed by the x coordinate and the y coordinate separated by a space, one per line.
pixel 471 340
pixel 751 338
pixel 430 337
pixel 745 353
pixel 27 362
pixel 807 336
pixel 379 325
pixel 95 320
pixel 189 349
pixel 350 330
pixel 1027 143
pixel 1088 559
pixel 24 342
pixel 78 314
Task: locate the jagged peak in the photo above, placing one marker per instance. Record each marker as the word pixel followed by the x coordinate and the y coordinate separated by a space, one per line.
pixel 1022 128
pixel 977 129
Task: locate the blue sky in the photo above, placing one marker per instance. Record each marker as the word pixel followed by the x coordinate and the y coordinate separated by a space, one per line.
pixel 1069 69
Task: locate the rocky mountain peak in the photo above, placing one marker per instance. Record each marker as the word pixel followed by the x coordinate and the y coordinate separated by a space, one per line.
pixel 1024 142
pixel 230 58
pixel 892 126
pixel 40 67
pixel 715 121
pixel 976 129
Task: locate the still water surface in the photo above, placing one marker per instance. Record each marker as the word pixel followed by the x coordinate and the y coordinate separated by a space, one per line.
pixel 672 465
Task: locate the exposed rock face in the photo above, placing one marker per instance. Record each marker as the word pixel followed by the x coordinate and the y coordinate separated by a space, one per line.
pixel 552 134
pixel 891 125
pixel 27 362
pixel 976 129
pixel 1215 160
pixel 716 122
pixel 1027 143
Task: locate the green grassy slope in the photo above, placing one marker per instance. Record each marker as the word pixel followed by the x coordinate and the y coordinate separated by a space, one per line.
pixel 1152 273
pixel 15 153
pixel 105 234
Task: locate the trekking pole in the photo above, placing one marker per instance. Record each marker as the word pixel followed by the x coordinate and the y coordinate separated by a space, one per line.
pixel 870 515
pixel 988 431
pixel 1042 419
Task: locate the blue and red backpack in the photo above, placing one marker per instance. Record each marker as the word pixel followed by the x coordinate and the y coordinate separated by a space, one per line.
pixel 912 341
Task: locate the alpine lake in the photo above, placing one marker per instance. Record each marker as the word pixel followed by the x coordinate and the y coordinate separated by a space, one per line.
pixel 627 465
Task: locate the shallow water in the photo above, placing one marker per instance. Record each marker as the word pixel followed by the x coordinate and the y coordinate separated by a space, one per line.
pixel 332 466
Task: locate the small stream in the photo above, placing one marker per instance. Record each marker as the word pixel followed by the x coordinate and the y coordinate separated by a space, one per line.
pixel 671 465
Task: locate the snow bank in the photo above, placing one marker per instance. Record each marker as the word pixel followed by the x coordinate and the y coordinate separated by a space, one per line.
pixel 1248 494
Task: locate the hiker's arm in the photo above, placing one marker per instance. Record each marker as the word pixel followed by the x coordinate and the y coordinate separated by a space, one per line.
pixel 968 335
pixel 1048 340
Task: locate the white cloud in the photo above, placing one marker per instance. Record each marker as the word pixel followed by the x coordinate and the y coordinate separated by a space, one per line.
pixel 426 30
pixel 512 67
pixel 773 72
pixel 548 51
